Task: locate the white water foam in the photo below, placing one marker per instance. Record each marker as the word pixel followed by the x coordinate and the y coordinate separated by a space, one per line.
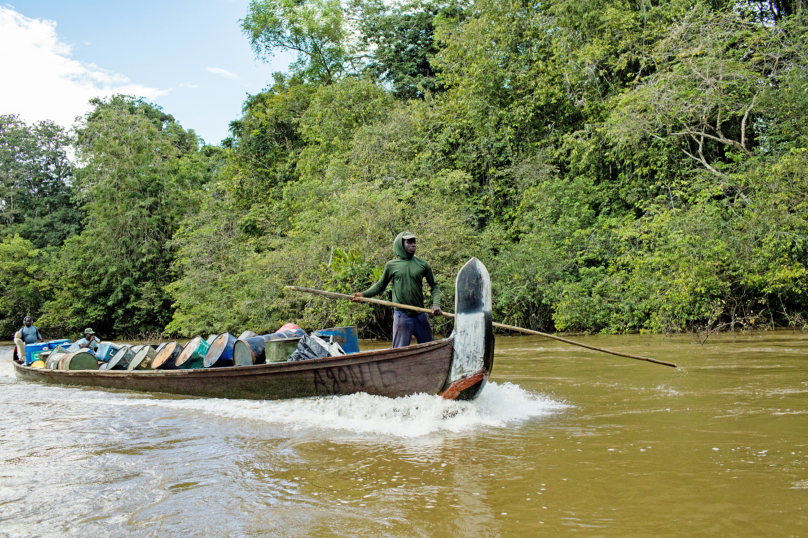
pixel 409 417
pixel 6 368
pixel 412 416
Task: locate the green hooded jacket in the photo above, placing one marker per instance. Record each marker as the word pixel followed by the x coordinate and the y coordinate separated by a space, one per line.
pixel 408 274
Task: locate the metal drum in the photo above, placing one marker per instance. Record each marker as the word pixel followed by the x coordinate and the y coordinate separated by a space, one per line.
pixel 121 359
pixel 220 352
pixel 193 355
pixel 143 359
pixel 167 357
pixel 78 361
pixel 53 361
pixel 249 351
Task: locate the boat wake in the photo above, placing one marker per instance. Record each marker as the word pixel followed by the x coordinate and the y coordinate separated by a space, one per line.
pixel 418 415
pixel 412 416
pixel 6 367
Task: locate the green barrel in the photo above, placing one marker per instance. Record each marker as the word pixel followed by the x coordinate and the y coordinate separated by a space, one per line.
pixel 280 350
pixel 193 356
pixel 78 361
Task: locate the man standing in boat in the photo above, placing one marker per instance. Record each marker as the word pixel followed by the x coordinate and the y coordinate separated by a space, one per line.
pixel 407 272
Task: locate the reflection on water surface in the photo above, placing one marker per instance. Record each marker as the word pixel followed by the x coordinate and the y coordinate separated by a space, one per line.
pixel 565 441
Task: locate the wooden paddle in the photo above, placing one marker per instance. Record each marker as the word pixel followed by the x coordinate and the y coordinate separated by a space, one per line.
pixel 500 325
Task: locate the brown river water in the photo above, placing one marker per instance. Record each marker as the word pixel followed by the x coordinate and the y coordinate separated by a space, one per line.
pixel 562 442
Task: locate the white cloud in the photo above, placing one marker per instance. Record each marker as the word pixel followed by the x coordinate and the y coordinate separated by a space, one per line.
pixel 221 72
pixel 41 81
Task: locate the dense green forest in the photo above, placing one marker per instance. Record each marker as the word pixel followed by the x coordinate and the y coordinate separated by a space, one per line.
pixel 617 165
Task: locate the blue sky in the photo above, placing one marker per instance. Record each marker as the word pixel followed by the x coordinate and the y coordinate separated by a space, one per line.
pixel 189 57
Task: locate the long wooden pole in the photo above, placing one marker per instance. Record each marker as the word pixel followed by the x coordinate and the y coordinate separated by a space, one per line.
pixel 500 325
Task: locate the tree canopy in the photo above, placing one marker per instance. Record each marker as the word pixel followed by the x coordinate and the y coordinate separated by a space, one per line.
pixel 618 166
pixel 36 200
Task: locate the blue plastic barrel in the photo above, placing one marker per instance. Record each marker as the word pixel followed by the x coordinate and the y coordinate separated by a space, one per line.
pixel 346 337
pixel 105 351
pixel 32 350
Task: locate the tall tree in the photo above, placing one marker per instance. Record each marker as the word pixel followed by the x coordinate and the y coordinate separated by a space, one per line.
pixel 400 42
pixel 141 174
pixel 23 283
pixel 314 30
pixel 36 175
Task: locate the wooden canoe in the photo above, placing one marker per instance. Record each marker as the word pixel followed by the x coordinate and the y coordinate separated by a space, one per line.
pixel 456 367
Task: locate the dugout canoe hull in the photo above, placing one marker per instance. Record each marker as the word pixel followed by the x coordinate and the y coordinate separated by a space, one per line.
pixel 388 372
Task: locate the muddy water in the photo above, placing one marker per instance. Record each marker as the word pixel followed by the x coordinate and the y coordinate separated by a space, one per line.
pixel 563 442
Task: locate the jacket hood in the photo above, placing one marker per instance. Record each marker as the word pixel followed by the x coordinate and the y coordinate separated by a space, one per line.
pixel 398 246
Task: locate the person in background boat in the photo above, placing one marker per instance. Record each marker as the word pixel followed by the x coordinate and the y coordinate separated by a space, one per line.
pixel 29 334
pixel 90 340
pixel 407 272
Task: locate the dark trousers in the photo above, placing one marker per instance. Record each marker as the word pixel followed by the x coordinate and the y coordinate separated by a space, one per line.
pixel 404 327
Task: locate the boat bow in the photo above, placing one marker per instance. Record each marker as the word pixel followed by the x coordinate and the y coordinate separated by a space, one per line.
pixel 473 353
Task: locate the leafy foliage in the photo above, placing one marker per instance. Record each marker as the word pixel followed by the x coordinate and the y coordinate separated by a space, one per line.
pixel 606 160
pixel 141 174
pixel 312 29
pixel 618 166
pixel 401 42
pixel 36 200
pixel 23 285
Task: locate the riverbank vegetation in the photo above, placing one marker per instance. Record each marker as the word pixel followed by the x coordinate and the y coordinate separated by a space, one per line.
pixel 618 166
